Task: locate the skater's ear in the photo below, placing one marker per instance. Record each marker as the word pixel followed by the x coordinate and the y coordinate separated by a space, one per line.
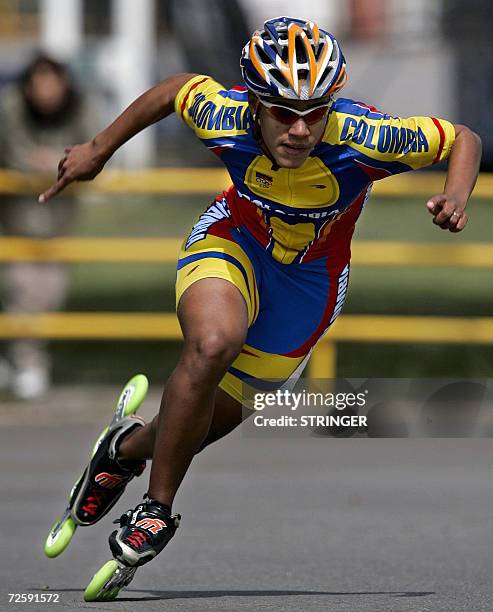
pixel 253 103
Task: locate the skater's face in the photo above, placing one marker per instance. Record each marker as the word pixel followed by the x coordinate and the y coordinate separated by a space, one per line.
pixel 291 131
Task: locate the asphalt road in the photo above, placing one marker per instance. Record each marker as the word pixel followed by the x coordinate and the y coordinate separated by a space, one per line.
pixel 268 523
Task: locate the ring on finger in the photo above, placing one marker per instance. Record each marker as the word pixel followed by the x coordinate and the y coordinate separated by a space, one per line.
pixel 455 214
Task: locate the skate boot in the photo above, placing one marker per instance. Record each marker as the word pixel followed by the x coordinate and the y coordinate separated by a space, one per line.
pixel 106 476
pixel 143 533
pixel 87 505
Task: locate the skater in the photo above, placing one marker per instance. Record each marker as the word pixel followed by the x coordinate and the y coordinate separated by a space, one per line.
pixel 263 273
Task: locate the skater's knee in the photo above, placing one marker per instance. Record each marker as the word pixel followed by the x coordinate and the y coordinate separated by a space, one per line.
pixel 213 349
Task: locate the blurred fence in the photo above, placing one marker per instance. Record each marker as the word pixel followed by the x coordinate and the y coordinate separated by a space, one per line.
pixel 211 181
pixel 138 326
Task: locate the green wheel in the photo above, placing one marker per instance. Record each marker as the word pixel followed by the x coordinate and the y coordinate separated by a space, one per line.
pixel 59 537
pixel 133 395
pixel 128 403
pixel 95 590
pixel 108 581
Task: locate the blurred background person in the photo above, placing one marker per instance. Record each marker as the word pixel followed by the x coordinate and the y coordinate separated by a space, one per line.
pixel 41 112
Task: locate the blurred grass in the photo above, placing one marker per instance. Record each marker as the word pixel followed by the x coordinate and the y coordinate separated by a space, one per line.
pixel 123 287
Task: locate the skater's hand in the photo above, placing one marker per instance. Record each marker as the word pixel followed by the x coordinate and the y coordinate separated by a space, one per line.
pixel 448 213
pixel 80 163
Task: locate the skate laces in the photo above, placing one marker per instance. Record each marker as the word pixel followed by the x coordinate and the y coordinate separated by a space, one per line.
pixel 94 501
pixel 138 538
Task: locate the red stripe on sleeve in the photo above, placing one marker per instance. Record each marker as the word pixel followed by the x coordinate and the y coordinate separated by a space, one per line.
pixel 373 109
pixel 441 131
pixel 185 99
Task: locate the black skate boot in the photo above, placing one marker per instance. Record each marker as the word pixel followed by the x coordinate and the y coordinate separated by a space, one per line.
pixel 106 477
pixel 143 533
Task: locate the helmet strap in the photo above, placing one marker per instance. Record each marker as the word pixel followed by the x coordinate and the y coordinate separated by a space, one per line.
pixel 254 103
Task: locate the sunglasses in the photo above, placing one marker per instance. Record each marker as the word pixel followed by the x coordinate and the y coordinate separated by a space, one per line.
pixel 289 115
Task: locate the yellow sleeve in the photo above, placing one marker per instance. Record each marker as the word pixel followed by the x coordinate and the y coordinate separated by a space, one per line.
pixel 202 86
pixel 209 109
pixel 406 143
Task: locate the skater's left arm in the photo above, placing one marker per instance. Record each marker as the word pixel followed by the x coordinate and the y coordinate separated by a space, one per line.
pixel 448 208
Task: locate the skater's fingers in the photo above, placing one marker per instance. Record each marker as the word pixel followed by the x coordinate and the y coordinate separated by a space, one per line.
pixel 54 189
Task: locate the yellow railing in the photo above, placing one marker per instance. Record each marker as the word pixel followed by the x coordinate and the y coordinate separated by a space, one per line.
pixel 408 329
pixel 348 328
pixel 214 180
pixel 165 250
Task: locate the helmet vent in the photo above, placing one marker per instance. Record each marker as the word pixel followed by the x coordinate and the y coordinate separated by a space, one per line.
pixel 281 30
pixel 263 55
pixel 257 81
pixel 318 53
pixel 281 50
pixel 278 76
pixel 279 47
pixel 300 51
pixel 325 74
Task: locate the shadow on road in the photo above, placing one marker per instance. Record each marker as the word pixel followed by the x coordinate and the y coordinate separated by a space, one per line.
pixel 162 595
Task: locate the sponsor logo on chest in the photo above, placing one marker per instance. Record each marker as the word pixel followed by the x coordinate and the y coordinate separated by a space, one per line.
pixel 263 180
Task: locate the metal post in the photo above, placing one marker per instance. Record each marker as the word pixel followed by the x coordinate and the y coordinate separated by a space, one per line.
pixel 61 27
pixel 323 362
pixel 134 51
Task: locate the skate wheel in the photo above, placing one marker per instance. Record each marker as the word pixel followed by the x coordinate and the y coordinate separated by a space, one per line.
pixel 108 581
pixel 133 395
pixel 59 537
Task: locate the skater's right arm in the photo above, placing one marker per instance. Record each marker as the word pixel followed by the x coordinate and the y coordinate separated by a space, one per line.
pixel 84 162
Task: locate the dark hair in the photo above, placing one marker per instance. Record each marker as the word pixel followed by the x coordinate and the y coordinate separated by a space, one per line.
pixel 41 60
pixel 69 106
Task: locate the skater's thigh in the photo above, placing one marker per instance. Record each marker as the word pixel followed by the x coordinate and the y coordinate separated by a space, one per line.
pixel 213 308
pixel 216 284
